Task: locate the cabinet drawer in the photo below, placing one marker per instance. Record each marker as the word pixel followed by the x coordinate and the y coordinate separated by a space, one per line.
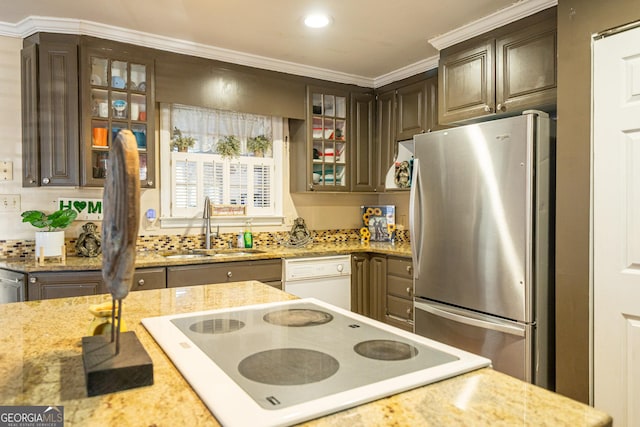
pixel 189 275
pixel 400 287
pixel 400 267
pixel 401 308
pixel 149 278
pixel 398 323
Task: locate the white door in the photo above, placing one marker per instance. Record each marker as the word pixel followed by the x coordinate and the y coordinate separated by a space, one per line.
pixel 616 226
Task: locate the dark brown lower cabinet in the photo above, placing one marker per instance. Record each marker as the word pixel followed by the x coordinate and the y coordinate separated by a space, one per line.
pixel 48 285
pixel 377 280
pixel 368 277
pixel 65 284
pixel 266 271
pixel 398 293
pixel 360 284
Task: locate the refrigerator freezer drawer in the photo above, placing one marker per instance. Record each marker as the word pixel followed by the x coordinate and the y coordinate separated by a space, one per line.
pixel 507 344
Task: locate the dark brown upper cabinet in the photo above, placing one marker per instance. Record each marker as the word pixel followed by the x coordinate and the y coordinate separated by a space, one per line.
pixel 401 113
pixel 117 93
pixel 320 146
pixel 412 110
pixel 386 147
pixel 363 159
pixel 503 72
pixel 77 93
pixel 50 129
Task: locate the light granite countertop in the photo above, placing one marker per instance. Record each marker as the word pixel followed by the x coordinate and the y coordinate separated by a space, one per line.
pixel 156 259
pixel 41 364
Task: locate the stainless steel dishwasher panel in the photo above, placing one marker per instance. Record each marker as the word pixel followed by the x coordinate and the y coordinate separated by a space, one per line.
pixel 11 286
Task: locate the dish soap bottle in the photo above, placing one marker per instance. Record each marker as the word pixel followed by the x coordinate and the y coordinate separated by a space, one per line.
pixel 248 237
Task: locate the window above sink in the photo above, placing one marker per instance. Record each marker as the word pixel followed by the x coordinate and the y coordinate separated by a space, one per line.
pixel 249 174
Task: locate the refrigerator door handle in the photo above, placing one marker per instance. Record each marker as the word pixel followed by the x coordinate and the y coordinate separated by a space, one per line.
pixel 471 321
pixel 415 221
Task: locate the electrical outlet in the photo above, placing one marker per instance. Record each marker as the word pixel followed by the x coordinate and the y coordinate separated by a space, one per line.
pixel 9 203
pixel 6 171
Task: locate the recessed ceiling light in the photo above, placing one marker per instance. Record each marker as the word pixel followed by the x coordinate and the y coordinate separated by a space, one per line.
pixel 316 20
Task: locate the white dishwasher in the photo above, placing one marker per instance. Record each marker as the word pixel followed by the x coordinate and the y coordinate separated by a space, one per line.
pixel 327 278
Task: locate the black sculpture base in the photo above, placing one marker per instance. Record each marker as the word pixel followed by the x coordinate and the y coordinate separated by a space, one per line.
pixel 106 372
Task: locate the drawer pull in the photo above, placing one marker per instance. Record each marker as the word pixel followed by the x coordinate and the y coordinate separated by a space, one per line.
pixel 409 269
pixel 229 274
pixel 408 291
pixel 141 282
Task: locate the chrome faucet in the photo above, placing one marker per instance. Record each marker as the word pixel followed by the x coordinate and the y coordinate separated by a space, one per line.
pixel 206 214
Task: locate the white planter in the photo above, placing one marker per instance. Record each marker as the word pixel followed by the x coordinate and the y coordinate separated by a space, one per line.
pixel 51 241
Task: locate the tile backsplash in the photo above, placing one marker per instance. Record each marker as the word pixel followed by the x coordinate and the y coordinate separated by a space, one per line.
pixel 26 248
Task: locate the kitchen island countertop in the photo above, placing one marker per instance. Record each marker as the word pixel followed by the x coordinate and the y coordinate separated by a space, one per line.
pixel 41 359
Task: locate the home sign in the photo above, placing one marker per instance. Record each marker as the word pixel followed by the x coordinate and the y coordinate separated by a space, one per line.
pixel 88 209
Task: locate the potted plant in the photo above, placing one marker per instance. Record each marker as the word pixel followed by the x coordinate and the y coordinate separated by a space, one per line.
pixel 259 145
pixel 228 146
pixel 180 142
pixel 50 242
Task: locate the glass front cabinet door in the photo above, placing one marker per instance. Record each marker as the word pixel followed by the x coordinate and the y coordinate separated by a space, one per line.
pixel 328 139
pixel 117 95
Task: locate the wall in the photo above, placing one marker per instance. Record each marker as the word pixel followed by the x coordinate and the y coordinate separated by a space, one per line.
pixel 321 211
pixel 577 21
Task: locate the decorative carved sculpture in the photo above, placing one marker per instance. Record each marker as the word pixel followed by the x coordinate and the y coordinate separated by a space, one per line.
pixel 89 242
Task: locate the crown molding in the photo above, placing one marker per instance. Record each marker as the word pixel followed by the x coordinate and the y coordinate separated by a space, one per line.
pixel 408 71
pixel 516 11
pixel 34 24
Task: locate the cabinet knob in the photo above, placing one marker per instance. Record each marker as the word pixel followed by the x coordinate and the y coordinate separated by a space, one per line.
pixel 408 312
pixel 409 268
pixel 32 280
pixel 408 290
pixel 502 107
pixel 32 181
pixel 149 183
pixel 229 274
pixel 487 109
pixel 45 180
pixel 141 282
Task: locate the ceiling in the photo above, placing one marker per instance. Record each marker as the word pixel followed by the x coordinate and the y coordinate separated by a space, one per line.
pixel 366 40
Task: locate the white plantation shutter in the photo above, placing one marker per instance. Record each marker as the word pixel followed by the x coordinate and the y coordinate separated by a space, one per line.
pixel 185 178
pixel 238 183
pixel 246 181
pixel 262 186
pixel 213 181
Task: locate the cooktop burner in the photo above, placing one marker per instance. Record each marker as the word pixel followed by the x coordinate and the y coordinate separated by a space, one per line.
pixel 288 366
pixel 386 350
pixel 216 326
pixel 286 362
pixel 298 317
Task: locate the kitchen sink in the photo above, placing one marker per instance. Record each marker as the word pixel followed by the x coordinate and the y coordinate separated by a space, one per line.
pixel 237 252
pixel 208 253
pixel 186 256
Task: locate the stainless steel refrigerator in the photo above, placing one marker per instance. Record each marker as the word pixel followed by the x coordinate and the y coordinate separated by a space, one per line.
pixel 481 221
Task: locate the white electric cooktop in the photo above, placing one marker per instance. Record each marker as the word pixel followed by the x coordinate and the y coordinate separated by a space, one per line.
pixel 286 362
